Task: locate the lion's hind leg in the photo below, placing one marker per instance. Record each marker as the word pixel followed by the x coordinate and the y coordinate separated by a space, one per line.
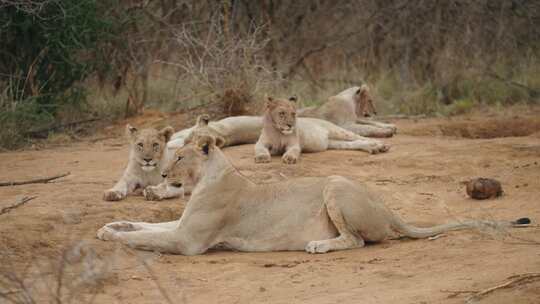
pixel 346 239
pixel 368 145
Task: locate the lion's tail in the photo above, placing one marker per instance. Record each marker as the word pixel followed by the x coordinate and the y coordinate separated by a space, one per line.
pixel 418 232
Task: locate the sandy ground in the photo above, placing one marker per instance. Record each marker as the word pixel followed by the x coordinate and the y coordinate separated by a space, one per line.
pixel 419 179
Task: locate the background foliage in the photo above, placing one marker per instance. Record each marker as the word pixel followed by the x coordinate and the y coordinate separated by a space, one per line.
pixel 66 61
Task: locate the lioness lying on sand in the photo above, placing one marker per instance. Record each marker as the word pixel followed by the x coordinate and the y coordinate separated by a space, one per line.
pixel 348 110
pixel 227 210
pixel 280 135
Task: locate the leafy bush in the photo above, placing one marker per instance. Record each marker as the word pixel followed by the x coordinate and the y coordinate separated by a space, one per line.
pixel 47 50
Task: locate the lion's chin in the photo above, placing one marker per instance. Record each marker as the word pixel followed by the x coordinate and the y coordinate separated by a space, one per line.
pixel 287 132
pixel 148 168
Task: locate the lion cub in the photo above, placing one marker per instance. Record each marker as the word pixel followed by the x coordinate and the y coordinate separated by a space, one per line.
pixel 147 157
pixel 279 134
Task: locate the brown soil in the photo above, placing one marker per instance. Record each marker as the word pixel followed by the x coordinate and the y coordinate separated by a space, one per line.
pixel 419 178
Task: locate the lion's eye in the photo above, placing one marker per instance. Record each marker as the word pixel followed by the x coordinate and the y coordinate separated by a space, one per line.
pixel 140 145
pixel 156 146
pixel 179 158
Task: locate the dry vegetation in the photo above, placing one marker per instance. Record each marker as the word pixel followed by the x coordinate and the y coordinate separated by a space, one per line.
pixel 422 57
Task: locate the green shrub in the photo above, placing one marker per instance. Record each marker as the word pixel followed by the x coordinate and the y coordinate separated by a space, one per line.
pixel 47 50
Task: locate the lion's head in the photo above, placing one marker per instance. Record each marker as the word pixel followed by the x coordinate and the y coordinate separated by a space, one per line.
pixel 282 114
pixel 364 102
pixel 148 145
pixel 202 127
pixel 185 169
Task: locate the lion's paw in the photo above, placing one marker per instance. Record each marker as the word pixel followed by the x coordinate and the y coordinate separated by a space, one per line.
pixel 151 194
pixel 378 147
pixel 262 158
pixel 113 195
pixel 289 159
pixel 317 247
pixel 107 234
pixel 124 226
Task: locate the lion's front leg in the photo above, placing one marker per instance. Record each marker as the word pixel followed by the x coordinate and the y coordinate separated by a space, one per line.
pixel 292 154
pixel 391 127
pixel 120 190
pixel 163 237
pixel 368 130
pixel 262 154
pixel 162 191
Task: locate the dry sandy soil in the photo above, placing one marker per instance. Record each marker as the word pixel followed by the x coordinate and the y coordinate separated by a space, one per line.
pixel 419 178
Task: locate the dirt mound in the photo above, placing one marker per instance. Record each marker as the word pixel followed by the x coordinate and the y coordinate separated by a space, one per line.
pixel 479 128
pixel 492 128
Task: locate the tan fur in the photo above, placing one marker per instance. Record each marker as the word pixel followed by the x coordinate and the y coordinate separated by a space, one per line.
pixel 279 135
pixel 315 135
pixel 146 156
pixel 227 210
pixel 348 109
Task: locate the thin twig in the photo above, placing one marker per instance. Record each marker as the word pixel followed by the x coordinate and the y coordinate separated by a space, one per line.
pixel 43 180
pixel 515 280
pixel 455 293
pixel 17 204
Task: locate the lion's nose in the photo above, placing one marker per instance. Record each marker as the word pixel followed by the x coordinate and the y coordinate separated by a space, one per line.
pixel 164 175
pixel 289 125
pixel 147 160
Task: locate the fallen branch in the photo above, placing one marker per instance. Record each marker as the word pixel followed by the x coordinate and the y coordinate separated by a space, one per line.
pixel 515 280
pixel 17 204
pixel 455 293
pixel 34 181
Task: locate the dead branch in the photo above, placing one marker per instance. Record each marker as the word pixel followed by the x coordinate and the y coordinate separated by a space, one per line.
pixel 515 280
pixel 455 293
pixel 17 204
pixel 43 180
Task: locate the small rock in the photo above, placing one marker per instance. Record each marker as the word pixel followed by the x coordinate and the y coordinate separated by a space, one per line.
pixel 484 188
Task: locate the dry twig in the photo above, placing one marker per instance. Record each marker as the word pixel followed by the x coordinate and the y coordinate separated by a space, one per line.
pixel 43 180
pixel 515 280
pixel 17 204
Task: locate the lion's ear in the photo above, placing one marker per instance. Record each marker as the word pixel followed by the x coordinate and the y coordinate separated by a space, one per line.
pixel 363 91
pixel 363 102
pixel 220 142
pixel 203 120
pixel 270 102
pixel 293 98
pixel 166 132
pixel 206 143
pixel 131 131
